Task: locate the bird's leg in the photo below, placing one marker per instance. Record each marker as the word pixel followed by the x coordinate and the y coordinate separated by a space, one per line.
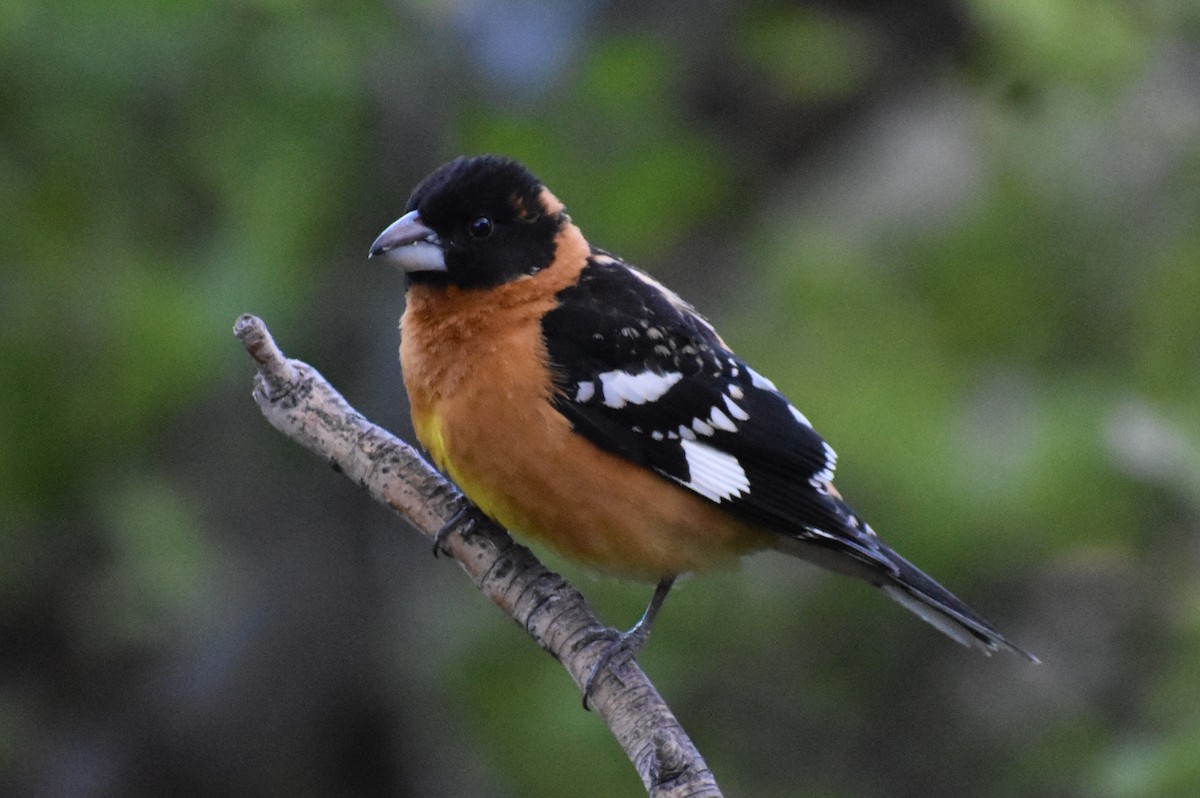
pixel 629 643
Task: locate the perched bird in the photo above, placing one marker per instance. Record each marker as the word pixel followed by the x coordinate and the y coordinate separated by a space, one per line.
pixel 580 403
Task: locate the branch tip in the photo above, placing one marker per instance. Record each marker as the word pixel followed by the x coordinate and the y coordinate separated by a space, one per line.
pixel 275 369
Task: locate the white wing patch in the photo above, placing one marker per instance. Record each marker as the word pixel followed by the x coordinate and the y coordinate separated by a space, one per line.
pixel 796 414
pixel 721 421
pixel 621 387
pixel 713 473
pixel 734 408
pixel 825 475
pixel 585 391
pixel 759 381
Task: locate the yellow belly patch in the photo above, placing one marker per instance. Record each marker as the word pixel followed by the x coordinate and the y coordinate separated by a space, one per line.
pixel 429 432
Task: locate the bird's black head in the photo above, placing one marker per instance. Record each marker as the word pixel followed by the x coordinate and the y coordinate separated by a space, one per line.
pixel 474 223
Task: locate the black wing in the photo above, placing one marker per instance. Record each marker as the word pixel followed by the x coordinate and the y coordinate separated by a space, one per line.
pixel 641 374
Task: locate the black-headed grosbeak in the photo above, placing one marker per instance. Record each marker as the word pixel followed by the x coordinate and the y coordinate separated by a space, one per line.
pixel 580 403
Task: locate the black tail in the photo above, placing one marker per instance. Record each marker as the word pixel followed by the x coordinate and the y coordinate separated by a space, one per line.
pixel 935 604
pixel 854 549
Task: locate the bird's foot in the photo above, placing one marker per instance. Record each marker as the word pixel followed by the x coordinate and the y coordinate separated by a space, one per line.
pixel 623 648
pixel 627 644
pixel 448 528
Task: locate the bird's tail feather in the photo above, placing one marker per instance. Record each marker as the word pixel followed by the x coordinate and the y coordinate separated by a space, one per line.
pixel 936 605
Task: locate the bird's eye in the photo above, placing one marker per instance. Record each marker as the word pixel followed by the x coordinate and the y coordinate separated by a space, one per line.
pixel 480 228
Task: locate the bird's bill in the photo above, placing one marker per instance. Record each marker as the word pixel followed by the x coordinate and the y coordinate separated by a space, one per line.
pixel 410 245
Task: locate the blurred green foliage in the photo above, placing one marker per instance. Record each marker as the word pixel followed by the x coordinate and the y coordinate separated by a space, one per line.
pixel 807 54
pixel 962 236
pixel 624 108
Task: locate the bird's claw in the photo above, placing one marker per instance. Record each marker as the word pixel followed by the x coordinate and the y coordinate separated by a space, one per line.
pixel 451 525
pixel 624 648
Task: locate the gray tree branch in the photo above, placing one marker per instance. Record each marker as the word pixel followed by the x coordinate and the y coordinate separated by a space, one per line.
pixel 298 402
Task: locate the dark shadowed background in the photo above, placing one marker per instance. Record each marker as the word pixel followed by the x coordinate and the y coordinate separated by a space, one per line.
pixel 963 236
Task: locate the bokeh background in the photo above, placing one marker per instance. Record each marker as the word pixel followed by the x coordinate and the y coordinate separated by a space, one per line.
pixel 963 235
